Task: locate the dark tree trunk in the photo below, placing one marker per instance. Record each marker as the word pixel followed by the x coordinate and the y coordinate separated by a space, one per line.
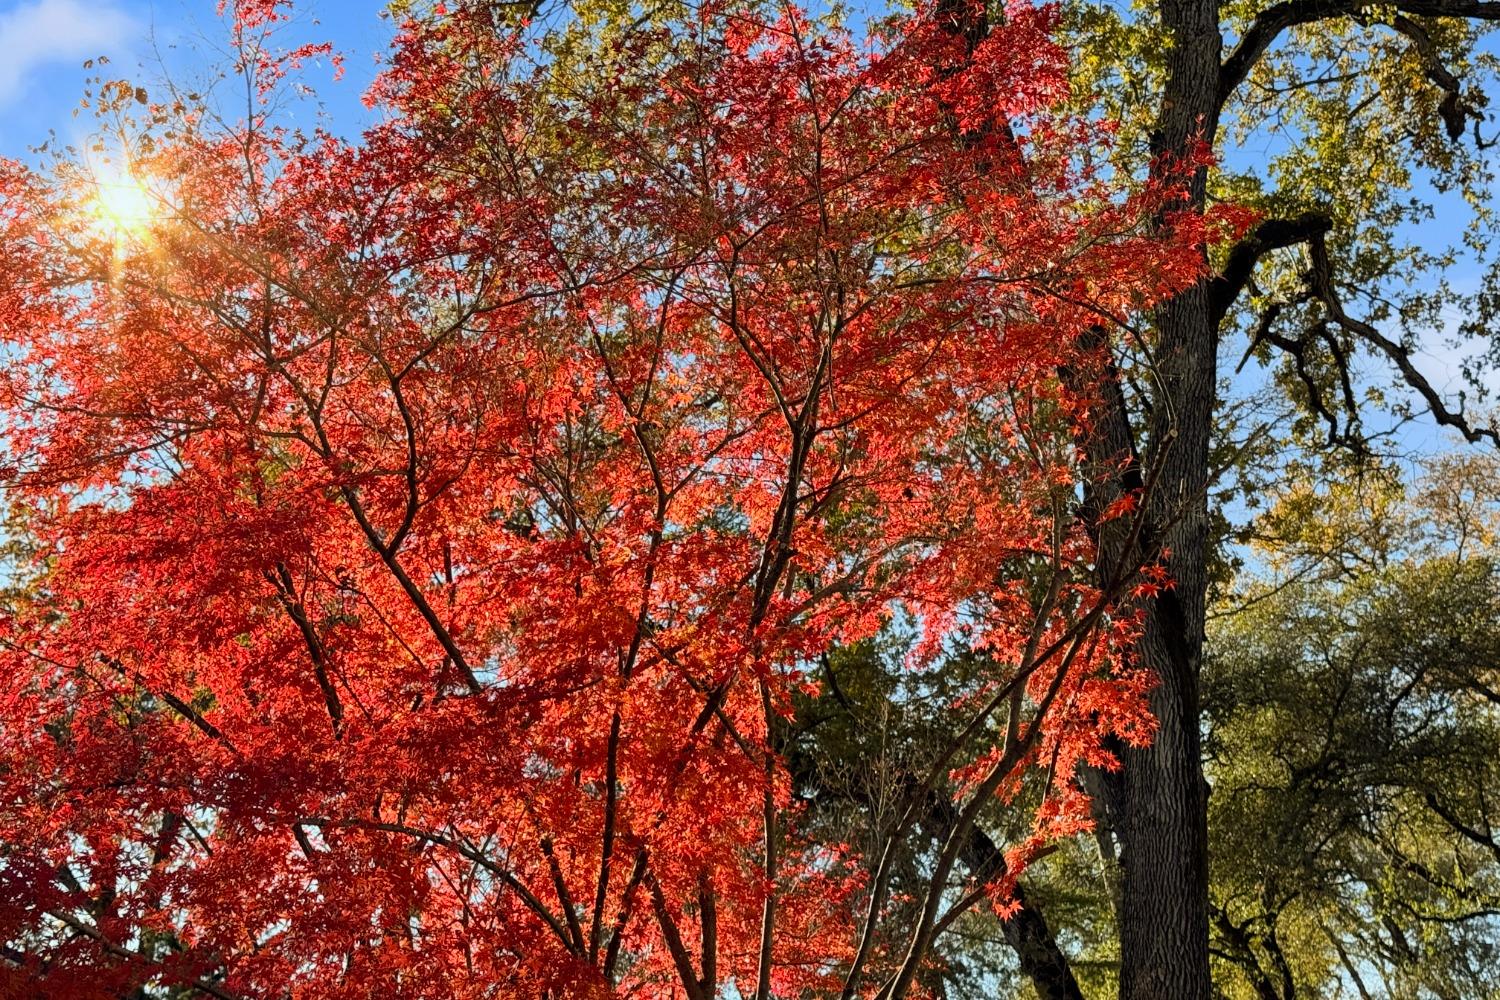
pixel 1039 957
pixel 1041 961
pixel 1162 820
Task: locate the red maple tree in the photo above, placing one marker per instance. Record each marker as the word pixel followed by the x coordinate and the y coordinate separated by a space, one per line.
pixel 430 530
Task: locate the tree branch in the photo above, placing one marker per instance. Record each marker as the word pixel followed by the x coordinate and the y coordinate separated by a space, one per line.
pixel 1271 234
pixel 1322 282
pixel 1026 930
pixel 1468 832
pixel 286 594
pixel 1454 111
pixel 1272 21
pixel 463 848
pixel 675 946
pixel 94 934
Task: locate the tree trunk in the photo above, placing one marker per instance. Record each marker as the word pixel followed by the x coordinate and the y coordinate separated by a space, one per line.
pixel 1041 961
pixel 1162 799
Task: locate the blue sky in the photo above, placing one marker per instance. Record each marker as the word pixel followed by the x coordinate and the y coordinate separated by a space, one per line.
pixel 44 43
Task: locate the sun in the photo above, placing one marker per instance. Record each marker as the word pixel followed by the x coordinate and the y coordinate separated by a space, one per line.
pixel 121 204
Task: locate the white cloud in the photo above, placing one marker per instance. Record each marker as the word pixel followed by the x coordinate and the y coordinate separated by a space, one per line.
pixel 34 33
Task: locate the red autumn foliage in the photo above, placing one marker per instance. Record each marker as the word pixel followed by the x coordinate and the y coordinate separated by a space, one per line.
pixel 431 529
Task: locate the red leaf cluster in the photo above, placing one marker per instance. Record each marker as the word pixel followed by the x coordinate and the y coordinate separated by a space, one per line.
pixel 431 529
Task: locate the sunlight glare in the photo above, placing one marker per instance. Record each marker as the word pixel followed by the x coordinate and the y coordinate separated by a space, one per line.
pixel 122 205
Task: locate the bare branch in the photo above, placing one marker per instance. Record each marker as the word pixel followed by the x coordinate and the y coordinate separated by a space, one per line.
pixel 1322 281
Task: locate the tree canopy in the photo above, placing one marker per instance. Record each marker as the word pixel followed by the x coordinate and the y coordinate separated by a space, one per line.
pixel 431 531
pixel 749 501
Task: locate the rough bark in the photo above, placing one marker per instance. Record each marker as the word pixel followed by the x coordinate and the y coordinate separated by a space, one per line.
pixel 1156 807
pixel 1162 826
